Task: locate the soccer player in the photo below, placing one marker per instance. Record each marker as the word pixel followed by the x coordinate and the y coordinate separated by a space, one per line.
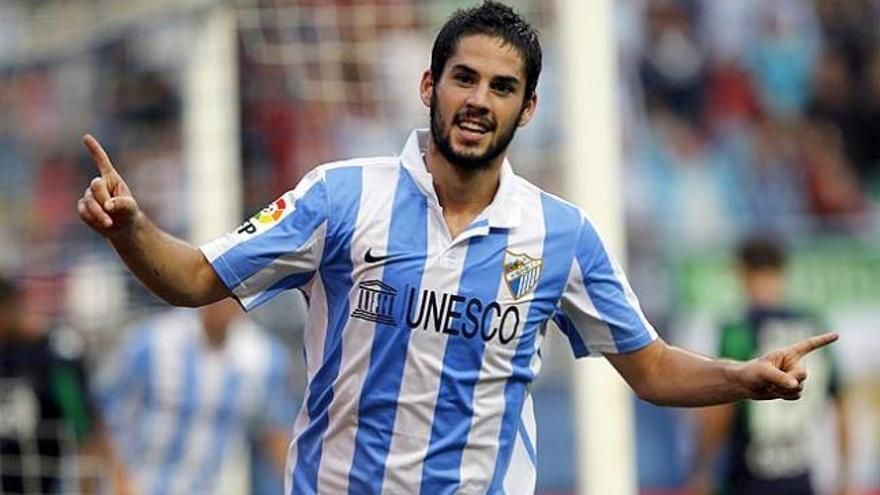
pixel 431 277
pixel 184 394
pixel 769 452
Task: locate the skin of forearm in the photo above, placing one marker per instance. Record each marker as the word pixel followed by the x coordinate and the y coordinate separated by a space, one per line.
pixel 682 378
pixel 173 269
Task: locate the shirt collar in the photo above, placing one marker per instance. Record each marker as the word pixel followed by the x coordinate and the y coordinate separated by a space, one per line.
pixel 502 212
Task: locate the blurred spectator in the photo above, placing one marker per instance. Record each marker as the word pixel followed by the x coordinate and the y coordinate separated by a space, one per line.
pixel 690 179
pixel 833 97
pixel 833 191
pixel 781 59
pixel 773 179
pixel 867 152
pixel 45 418
pixel 187 391
pixel 673 67
pixel 770 445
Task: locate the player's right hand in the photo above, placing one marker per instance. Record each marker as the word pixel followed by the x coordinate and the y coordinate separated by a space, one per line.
pixel 107 205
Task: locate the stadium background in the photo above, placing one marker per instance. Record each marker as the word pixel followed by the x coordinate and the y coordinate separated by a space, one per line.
pixel 737 117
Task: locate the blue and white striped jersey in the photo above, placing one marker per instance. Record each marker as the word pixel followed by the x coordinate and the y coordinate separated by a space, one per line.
pixel 419 347
pixel 176 409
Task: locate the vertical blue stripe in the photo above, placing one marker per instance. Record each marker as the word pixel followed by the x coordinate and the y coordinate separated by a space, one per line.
pixel 408 234
pixel 462 362
pixel 184 415
pixel 561 226
pixel 225 421
pixel 607 293
pixel 344 193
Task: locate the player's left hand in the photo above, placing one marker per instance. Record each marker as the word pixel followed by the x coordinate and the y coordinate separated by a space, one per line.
pixel 780 374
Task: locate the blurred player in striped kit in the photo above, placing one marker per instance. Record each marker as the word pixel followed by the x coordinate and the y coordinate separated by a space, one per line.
pixel 432 276
pixel 184 394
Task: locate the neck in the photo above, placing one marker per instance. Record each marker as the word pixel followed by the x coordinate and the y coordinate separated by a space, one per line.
pixel 459 190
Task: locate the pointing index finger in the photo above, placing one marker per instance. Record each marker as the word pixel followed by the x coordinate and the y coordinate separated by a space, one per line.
pixel 102 161
pixel 809 345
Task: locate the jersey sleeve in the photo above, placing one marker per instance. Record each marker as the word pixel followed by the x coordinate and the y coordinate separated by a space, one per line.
pixel 277 249
pixel 598 311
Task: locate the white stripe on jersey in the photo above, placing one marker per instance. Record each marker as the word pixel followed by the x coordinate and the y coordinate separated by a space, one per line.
pixel 490 401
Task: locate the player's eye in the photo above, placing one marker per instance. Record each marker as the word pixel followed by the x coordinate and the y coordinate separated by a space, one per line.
pixel 503 88
pixel 465 78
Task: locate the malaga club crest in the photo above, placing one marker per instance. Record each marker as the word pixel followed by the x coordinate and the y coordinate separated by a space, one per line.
pixel 521 272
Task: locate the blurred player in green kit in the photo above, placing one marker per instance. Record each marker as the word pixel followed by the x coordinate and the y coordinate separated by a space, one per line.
pixel 770 443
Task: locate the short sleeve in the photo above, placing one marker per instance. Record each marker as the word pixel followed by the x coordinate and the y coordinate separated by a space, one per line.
pixel 277 249
pixel 598 311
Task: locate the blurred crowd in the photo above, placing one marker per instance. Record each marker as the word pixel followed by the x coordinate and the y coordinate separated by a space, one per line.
pixel 757 116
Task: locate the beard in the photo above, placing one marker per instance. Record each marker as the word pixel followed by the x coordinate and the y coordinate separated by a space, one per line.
pixel 467 161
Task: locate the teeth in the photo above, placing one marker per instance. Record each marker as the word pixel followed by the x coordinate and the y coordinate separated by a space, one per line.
pixel 471 127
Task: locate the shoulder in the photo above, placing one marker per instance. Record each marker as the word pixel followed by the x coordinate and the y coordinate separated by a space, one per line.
pixel 356 165
pixel 342 180
pixel 551 205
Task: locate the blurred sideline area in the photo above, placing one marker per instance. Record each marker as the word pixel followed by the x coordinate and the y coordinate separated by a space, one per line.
pixel 740 117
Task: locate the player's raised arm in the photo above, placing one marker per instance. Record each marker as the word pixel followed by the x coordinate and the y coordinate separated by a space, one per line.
pixel 175 270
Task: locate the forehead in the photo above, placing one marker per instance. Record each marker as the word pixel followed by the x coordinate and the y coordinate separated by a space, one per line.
pixel 489 55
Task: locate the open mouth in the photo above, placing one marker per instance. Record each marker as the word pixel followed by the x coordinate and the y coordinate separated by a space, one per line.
pixel 472 129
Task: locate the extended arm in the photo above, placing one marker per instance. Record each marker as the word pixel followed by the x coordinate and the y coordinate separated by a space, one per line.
pixel 671 376
pixel 175 270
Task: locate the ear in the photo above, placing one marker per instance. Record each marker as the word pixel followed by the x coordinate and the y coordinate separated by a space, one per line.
pixel 528 110
pixel 426 88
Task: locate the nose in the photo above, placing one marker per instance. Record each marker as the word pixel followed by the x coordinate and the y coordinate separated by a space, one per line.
pixel 479 97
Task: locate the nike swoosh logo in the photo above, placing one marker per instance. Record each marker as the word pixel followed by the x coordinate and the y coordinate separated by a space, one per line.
pixel 369 258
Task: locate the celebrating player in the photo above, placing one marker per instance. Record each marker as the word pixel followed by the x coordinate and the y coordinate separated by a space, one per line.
pixel 432 276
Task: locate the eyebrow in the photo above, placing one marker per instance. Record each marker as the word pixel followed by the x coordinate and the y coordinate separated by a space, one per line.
pixel 512 80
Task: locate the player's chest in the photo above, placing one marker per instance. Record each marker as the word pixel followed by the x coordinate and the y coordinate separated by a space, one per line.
pixel 485 286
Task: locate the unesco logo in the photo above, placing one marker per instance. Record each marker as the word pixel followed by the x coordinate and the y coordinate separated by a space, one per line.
pixel 375 302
